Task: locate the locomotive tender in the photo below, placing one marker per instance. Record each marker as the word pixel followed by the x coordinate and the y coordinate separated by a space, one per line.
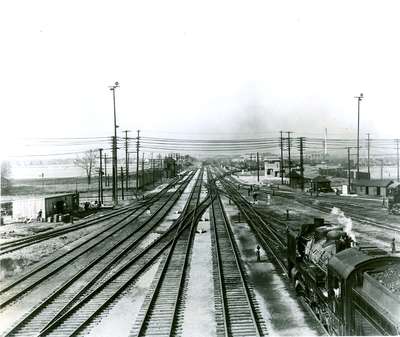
pixel 353 290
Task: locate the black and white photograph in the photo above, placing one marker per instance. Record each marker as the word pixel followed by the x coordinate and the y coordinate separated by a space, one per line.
pixel 199 168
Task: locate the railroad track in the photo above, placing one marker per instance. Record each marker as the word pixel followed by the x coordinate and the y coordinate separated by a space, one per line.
pixel 237 312
pixel 272 239
pixel 17 244
pixel 57 263
pixel 160 313
pixel 71 291
pixel 79 317
pixel 327 208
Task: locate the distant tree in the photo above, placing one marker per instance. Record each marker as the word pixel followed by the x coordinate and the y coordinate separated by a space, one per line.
pixel 87 162
pixel 5 177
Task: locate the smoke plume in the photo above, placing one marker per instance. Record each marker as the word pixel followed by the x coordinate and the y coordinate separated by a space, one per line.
pixel 345 222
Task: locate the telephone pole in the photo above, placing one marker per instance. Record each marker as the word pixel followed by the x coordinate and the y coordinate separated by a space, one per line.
pixel 397 148
pixel 349 165
pixel 114 173
pixel 126 162
pixel 349 168
pixel 143 178
pixel 115 169
pixel 369 173
pixel 105 168
pixel 101 177
pixel 281 169
pixel 152 169
pixel 290 164
pixel 359 98
pixel 122 183
pixel 258 168
pixel 137 160
pixel 302 163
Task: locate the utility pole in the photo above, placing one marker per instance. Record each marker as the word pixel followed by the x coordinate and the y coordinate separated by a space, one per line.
pixel 290 164
pixel 369 172
pixel 301 163
pixel 137 160
pixel 105 168
pixel 122 183
pixel 143 178
pixel 114 172
pixel 126 162
pixel 115 169
pixel 160 167
pixel 152 168
pixel 101 177
pixel 281 169
pixel 397 147
pixel 381 168
pixel 258 168
pixel 359 98
pixel 349 168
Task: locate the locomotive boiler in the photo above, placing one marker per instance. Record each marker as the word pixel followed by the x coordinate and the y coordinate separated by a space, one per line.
pixel 352 289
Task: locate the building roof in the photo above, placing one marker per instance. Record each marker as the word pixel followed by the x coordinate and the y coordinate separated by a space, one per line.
pixel 293 174
pixel 372 182
pixel 272 160
pixel 320 179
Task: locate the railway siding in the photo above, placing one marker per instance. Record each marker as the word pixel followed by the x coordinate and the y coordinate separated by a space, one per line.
pixel 54 300
pixel 237 312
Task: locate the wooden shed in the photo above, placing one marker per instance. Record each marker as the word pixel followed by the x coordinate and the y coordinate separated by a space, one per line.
pixel 50 205
pixel 321 184
pixel 374 187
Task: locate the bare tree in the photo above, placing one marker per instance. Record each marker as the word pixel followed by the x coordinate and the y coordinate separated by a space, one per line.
pixel 87 162
pixel 5 177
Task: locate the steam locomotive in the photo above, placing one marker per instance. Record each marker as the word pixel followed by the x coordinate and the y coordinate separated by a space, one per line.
pixel 353 290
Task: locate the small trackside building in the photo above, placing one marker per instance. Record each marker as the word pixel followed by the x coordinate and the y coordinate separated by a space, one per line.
pixel 373 187
pixel 321 184
pixel 272 167
pixel 50 205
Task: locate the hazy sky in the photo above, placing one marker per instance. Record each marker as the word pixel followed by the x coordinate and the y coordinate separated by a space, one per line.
pixel 200 67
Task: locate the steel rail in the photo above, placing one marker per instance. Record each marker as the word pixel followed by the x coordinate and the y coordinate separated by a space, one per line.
pixel 16 244
pixel 243 204
pixel 171 233
pixel 99 273
pixel 326 209
pixel 142 327
pixel 249 213
pixel 229 258
pixel 183 272
pixel 71 259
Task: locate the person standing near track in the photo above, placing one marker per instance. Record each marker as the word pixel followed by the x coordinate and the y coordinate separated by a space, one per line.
pixel 258 253
pixel 39 216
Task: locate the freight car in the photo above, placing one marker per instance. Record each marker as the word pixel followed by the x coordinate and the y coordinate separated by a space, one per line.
pixel 353 290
